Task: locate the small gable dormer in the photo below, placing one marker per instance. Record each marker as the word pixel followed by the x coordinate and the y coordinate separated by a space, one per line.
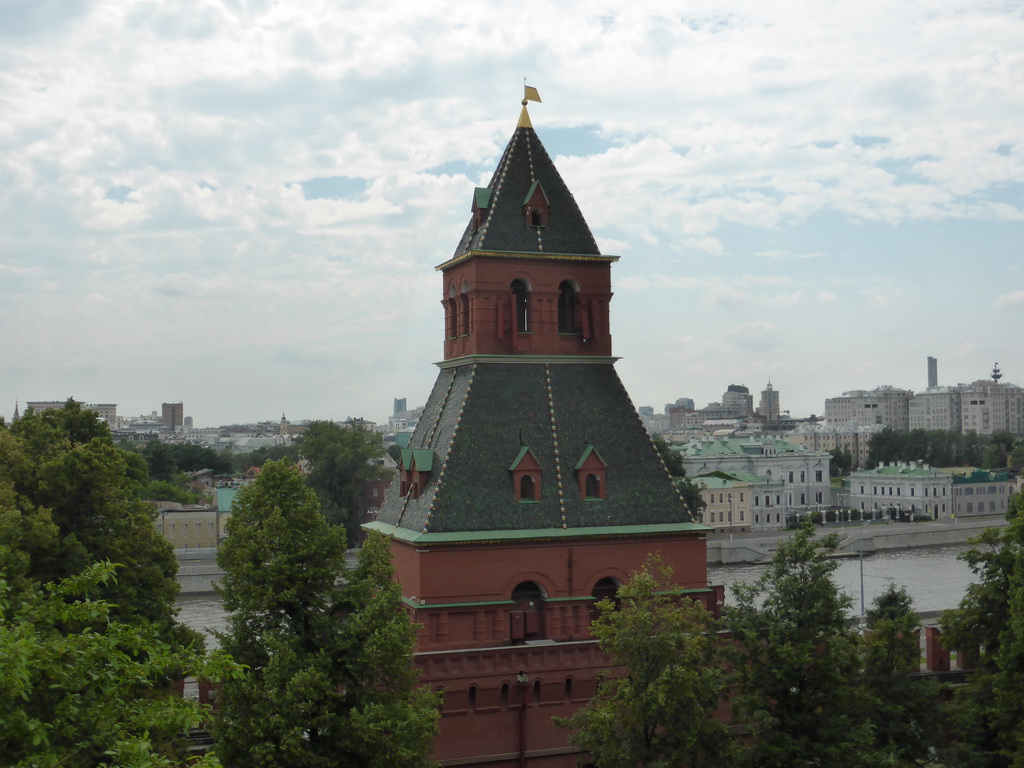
pixel 414 469
pixel 591 474
pixel 525 471
pixel 535 206
pixel 481 205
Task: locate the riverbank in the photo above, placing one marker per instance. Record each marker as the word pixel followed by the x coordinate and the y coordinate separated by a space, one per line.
pixel 853 538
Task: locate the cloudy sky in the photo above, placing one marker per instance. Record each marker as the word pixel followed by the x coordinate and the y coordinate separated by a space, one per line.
pixel 239 204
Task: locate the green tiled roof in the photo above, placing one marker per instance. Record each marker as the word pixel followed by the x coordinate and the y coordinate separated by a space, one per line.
pixel 477 420
pixel 525 164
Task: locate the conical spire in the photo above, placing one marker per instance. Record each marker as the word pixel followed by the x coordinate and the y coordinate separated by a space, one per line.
pixel 526 177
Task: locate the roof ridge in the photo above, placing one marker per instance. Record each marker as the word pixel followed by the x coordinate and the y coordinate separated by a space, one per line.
pixel 554 444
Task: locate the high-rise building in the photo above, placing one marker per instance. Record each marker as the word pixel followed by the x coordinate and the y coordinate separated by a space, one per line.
pixel 768 407
pixel 173 415
pixel 933 372
pixel 400 406
pixel 509 523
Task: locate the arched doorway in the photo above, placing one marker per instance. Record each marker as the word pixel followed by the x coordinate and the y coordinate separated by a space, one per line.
pixel 526 620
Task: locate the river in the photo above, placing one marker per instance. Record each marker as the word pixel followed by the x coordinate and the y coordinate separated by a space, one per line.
pixel 933 576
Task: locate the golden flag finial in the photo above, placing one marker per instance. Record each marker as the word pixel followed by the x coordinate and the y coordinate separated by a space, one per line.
pixel 529 94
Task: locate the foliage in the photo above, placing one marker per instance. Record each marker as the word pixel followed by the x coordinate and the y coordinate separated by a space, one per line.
pixel 330 679
pixel 165 460
pixel 660 712
pixel 241 461
pixel 903 712
pixel 796 660
pixel 686 487
pixel 940 448
pixel 343 458
pixel 80 689
pixel 168 490
pixel 841 464
pixel 986 714
pixel 68 499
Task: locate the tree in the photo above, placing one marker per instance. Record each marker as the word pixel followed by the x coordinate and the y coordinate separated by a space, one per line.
pixel 903 711
pixel 986 714
pixel 660 711
pixel 687 488
pixel 80 689
pixel 329 679
pixel 796 661
pixel 343 458
pixel 68 498
pixel 841 464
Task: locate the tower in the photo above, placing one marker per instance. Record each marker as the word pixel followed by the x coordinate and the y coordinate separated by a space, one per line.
pixel 933 372
pixel 768 408
pixel 529 489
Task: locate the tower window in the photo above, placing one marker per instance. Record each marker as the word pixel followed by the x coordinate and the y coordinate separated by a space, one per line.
pixel 568 308
pixel 593 486
pixel 521 295
pixel 465 309
pixel 527 488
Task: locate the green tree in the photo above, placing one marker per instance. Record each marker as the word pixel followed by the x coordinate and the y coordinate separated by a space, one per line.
pixel 797 661
pixel 343 457
pixel 903 710
pixel 329 680
pixel 986 714
pixel 686 487
pixel 80 689
pixel 841 464
pixel 1016 456
pixel 661 710
pixel 68 498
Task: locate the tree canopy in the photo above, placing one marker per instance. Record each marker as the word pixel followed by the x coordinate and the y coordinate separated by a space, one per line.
pixel 81 689
pixel 329 678
pixel 343 457
pixel 797 661
pixel 986 716
pixel 68 499
pixel 661 710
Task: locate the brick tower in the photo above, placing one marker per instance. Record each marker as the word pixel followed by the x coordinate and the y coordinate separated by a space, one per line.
pixel 530 488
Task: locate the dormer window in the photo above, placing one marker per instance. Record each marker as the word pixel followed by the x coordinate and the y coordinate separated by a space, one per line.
pixel 414 469
pixel 535 206
pixel 591 474
pixel 525 471
pixel 481 205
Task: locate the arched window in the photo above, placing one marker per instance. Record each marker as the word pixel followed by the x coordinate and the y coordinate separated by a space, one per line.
pixel 568 689
pixel 605 588
pixel 521 294
pixel 472 698
pixel 593 486
pixel 567 308
pixel 504 695
pixel 527 488
pixel 465 309
pixel 536 691
pixel 526 619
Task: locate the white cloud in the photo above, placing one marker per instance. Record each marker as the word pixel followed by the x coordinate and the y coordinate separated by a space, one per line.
pixel 152 152
pixel 1010 299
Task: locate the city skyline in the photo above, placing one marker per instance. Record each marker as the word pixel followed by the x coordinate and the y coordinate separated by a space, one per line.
pixel 241 208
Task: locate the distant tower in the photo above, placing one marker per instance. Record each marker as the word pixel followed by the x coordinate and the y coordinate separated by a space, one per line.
pixel 16 415
pixel 173 415
pixel 283 428
pixel 933 372
pixel 996 373
pixel 769 405
pixel 400 406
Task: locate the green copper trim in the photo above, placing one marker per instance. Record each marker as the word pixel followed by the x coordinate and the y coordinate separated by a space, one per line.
pixel 539 534
pixel 534 359
pixel 543 255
